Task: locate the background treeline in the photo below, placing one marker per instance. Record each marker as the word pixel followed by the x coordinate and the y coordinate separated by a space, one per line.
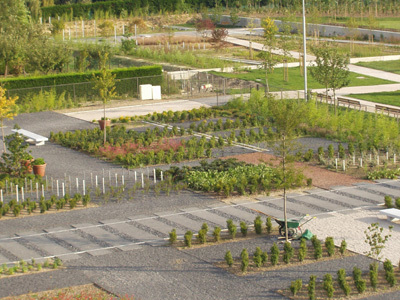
pixel 121 8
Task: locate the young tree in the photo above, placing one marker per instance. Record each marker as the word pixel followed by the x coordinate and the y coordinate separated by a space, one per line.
pixel 270 44
pixel 331 68
pixel 7 111
pixel 104 83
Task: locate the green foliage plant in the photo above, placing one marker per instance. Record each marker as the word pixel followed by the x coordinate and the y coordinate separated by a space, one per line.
pixel 331 151
pixel 217 234
pixel 328 285
pixel 311 287
pixel 172 236
pixel 258 225
pixel 243 228
pixel 373 275
pixel 288 252
pixel 343 247
pixel 296 286
pixel 376 240
pixel 231 228
pixel 188 238
pixel 302 250
pixel 343 282
pixel 202 236
pixel 245 260
pixel 398 203
pixel 389 272
pixel 269 225
pixel 229 258
pixel 257 257
pixel 274 257
pixel 330 245
pixel 317 249
pixel 388 202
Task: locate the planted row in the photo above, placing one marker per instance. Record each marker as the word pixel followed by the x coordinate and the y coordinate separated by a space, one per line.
pixel 26 267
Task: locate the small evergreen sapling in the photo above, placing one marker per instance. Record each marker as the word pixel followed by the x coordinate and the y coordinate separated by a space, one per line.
pixel 202 236
pixel 388 202
pixel 258 225
pixel 231 228
pixel 217 234
pixel 343 282
pixel 188 238
pixel 373 275
pixel 302 250
pixel 243 228
pixel 245 260
pixel 343 247
pixel 389 272
pixel 257 257
pixel 330 245
pixel 328 285
pixel 296 286
pixel 288 252
pixel 358 281
pixel 311 287
pixel 172 236
pixel 269 225
pixel 274 254
pixel 229 258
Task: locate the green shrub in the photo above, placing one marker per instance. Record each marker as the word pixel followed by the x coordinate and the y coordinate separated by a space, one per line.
pixel 86 200
pixel 188 238
pixel 274 254
pixel 204 226
pixel 231 228
pixel 288 252
pixel 296 286
pixel 328 285
pixel 317 249
pixel 388 202
pixel 343 247
pixel 356 274
pixel 341 151
pixel 269 225
pixel 257 257
pixel 373 275
pixel 202 236
pixel 245 260
pixel 264 257
pixel 308 155
pixel 398 203
pixel 361 286
pixel 217 234
pixel 389 272
pixel 343 282
pixel 229 258
pixel 258 225
pixel 172 236
pixel 331 151
pixel 330 245
pixel 311 287
pixel 243 228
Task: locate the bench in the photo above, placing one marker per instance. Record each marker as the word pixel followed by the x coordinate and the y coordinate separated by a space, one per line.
pixel 391 213
pixel 349 102
pixel 323 97
pixel 389 110
pixel 33 138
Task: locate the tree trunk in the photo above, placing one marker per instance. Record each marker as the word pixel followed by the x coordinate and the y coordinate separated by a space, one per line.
pixel 284 187
pixel 105 127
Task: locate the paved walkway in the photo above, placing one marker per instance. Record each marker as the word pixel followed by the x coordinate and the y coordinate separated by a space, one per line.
pixel 126 234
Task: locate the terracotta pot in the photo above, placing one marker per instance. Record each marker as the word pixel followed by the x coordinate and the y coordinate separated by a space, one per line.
pixel 28 165
pixel 39 170
pixel 104 123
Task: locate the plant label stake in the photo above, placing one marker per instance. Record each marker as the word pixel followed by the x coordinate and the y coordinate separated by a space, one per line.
pixel 394 158
pixel 135 176
pixel 361 162
pixel 83 187
pixel 370 157
pixel 154 173
pixel 116 179
pixel 336 163
pixel 104 191
pixel 96 181
pixel 58 189
pixel 22 194
pixel 16 192
pixel 162 179
pixel 63 189
pixel 142 181
pixel 123 182
pixel 344 165
pixel 37 191
pixel 109 177
pixel 42 190
pixel 77 185
pixel 1 195
pixel 387 155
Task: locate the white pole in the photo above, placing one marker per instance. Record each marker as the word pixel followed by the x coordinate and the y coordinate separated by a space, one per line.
pixel 49 20
pixel 96 180
pixel 1 195
pixel 154 173
pixel 162 178
pixel 123 29
pixel 123 182
pixel 63 35
pixel 16 192
pixel 305 51
pixel 58 189
pixel 336 163
pixel 142 181
pixel 104 189
pixel 63 189
pixel 41 20
pixel 37 191
pixel 344 165
pixel 83 187
pixel 69 33
pixel 42 190
pixel 394 158
pixel 22 194
pixel 77 185
pixel 135 176
pixel 116 179
pixel 361 164
pixel 387 155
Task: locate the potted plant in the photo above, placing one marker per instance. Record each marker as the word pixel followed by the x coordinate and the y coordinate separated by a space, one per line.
pixel 104 122
pixel 39 166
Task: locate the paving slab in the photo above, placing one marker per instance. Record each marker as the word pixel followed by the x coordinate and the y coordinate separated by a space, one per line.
pixel 162 227
pixel 277 204
pixel 3 259
pixel 362 195
pixel 304 207
pixel 236 212
pixel 73 238
pixel 382 190
pixel 207 215
pixel 392 183
pixel 20 251
pixel 184 221
pixel 311 201
pixel 136 233
pixel 43 242
pixel 113 240
pixel 346 200
pixel 277 213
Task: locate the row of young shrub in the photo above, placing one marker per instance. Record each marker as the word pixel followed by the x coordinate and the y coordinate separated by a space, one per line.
pixel 44 205
pixel 343 284
pixel 389 202
pixel 32 266
pixel 261 258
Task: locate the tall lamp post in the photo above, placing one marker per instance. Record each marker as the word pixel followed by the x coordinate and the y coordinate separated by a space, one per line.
pixel 305 51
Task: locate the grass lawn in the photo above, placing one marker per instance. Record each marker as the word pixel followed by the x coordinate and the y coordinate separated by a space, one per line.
pixel 390 98
pixel 388 66
pixel 295 82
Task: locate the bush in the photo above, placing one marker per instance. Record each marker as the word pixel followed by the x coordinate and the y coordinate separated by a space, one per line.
pixel 229 258
pixel 317 249
pixel 328 285
pixel 356 274
pixel 343 282
pixel 202 236
pixel 296 286
pixel 361 286
pixel 188 238
pixel 172 236
pixel 269 225
pixel 258 225
pixel 231 228
pixel 343 247
pixel 373 275
pixel 311 287
pixel 264 257
pixel 331 151
pixel 257 257
pixel 388 202
pixel 86 200
pixel 217 234
pixel 330 245
pixel 308 155
pixel 274 254
pixel 205 227
pixel 389 272
pixel 245 260
pixel 243 228
pixel 398 203
pixel 288 252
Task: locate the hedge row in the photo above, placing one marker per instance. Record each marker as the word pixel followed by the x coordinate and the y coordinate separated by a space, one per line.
pixel 68 78
pixel 86 11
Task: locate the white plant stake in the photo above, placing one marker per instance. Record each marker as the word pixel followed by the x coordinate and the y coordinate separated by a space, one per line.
pixel 16 192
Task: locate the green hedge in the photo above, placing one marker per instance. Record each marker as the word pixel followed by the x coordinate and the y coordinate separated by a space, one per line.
pixel 67 78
